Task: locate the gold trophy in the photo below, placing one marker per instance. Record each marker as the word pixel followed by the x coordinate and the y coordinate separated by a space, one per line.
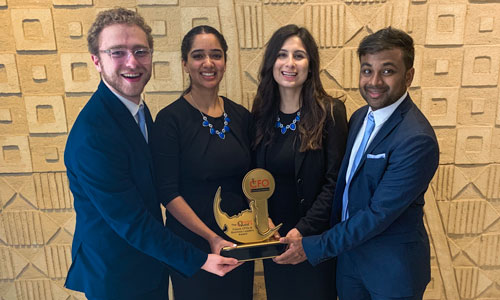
pixel 250 227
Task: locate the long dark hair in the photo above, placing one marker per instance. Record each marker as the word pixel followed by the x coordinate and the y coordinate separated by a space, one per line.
pixel 188 39
pixel 316 103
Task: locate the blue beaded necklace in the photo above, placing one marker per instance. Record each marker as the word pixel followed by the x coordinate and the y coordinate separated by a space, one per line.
pixel 205 123
pixel 292 126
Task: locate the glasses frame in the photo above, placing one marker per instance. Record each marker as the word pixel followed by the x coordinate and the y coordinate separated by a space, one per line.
pixel 132 52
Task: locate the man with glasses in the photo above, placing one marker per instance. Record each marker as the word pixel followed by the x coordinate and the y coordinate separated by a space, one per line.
pixel 121 248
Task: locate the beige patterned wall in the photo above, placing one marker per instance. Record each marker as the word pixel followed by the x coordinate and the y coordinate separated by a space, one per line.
pixel 46 77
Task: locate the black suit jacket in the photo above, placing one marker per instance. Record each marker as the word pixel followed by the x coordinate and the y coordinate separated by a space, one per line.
pixel 316 172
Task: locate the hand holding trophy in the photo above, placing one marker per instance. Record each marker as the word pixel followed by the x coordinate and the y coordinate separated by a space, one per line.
pixel 250 227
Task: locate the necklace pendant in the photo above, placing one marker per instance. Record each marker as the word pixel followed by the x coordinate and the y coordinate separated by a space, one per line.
pixel 205 123
pixel 292 126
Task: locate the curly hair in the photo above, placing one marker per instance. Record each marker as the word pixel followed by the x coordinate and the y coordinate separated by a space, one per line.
pixel 316 103
pixel 109 17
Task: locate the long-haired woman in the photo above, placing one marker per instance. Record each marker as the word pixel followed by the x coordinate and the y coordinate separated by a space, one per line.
pixel 300 135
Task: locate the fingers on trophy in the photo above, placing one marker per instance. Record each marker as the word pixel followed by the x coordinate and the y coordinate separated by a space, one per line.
pixel 250 227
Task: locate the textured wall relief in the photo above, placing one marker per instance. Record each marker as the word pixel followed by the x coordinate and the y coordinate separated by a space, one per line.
pixel 47 76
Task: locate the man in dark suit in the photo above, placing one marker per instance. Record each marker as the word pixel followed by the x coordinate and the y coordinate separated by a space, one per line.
pixel 120 247
pixel 392 154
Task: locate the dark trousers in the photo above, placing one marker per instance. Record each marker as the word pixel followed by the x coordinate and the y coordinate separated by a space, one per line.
pixel 161 293
pixel 350 286
pixel 301 281
pixel 237 284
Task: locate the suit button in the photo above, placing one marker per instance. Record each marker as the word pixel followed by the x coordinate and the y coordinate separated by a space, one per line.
pixel 299 181
pixel 302 201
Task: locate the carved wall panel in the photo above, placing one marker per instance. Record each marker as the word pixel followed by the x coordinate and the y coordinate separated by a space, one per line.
pixel 47 76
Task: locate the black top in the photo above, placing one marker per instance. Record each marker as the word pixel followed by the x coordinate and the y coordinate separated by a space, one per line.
pixel 280 161
pixel 192 163
pixel 303 198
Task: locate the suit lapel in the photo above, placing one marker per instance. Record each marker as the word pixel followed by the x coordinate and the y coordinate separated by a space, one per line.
pixel 389 125
pixel 354 126
pixel 125 120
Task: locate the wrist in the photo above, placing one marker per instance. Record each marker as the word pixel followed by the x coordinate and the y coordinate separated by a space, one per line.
pixel 212 237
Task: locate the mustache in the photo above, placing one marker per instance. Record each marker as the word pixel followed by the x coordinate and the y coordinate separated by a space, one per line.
pixel 373 87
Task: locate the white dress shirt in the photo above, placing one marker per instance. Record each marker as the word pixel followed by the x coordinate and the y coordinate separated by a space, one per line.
pixel 133 108
pixel 380 116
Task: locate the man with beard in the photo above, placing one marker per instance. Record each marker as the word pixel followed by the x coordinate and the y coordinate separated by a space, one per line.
pixel 392 154
pixel 121 248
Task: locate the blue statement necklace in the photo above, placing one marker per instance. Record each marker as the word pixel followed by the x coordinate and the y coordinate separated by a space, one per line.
pixel 205 123
pixel 292 126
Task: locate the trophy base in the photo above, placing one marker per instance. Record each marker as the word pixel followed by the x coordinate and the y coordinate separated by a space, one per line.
pixel 254 251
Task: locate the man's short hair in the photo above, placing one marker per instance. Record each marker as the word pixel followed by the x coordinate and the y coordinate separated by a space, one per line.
pixel 109 17
pixel 386 39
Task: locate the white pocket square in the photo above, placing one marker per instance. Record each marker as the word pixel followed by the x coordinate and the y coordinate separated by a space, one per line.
pixel 375 156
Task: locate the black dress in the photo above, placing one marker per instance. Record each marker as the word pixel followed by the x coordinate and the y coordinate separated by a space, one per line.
pixel 305 183
pixel 192 163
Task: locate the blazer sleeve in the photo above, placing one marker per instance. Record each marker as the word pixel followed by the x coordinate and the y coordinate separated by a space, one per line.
pixel 317 218
pixel 105 176
pixel 410 168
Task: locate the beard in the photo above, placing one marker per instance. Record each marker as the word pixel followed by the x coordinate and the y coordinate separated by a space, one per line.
pixel 129 89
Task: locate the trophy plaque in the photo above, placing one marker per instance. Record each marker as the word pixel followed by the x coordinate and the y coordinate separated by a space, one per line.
pixel 250 227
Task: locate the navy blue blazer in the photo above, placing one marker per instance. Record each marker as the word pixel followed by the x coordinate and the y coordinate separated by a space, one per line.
pixel 385 234
pixel 120 246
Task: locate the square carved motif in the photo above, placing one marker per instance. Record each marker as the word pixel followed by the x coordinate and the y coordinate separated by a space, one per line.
pixel 473 145
pixel 33 29
pixel 445 24
pixel 440 105
pixel 194 16
pixel 167 70
pixel 45 114
pixel 79 73
pixel 9 82
pixel 15 155
pixel 480 66
pixel 47 153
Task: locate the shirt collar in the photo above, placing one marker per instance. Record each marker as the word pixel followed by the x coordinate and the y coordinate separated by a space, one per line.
pixel 381 115
pixel 131 106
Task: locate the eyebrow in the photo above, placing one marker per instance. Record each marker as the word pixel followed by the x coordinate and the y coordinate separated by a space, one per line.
pixel 125 47
pixel 301 51
pixel 389 64
pixel 202 50
pixel 384 64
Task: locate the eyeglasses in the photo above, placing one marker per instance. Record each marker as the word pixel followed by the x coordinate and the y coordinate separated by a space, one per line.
pixel 121 55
